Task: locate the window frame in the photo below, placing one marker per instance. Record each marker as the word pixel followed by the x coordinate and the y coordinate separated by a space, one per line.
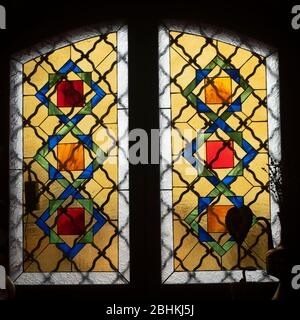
pixel 16 232
pixel 169 275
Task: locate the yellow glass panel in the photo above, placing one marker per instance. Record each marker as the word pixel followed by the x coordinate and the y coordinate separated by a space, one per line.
pixel 192 45
pixel 189 241
pixel 180 71
pixel 33 140
pixel 192 261
pixel 238 56
pixel 182 110
pixel 107 70
pixel 255 106
pixel 35 77
pixel 98 49
pixel 56 59
pixel 184 202
pixel 109 202
pixel 240 186
pixel 254 71
pixel 42 263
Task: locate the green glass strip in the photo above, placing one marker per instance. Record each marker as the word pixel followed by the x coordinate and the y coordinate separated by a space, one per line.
pixel 203 171
pixel 86 77
pixel 221 63
pixel 224 190
pixel 54 78
pixel 236 137
pixel 87 109
pixel 189 88
pixel 193 99
pixel 54 238
pixel 44 151
pixel 220 251
pixel 195 227
pixel 66 129
pixel 54 205
pixel 63 182
pixel 53 110
pixel 78 182
pixel 77 131
pixel 244 84
pixel 226 115
pixel 228 245
pixel 237 170
pixel 214 193
pixel 206 136
pixel 202 137
pixel 87 204
pixel 246 94
pixel 211 65
pixel 192 216
pixel 99 160
pixel 212 116
pixel 88 237
pixel 42 161
pixel 96 149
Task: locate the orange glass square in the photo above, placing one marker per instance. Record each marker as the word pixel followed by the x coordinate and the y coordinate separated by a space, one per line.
pixel 216 218
pixel 219 91
pixel 70 157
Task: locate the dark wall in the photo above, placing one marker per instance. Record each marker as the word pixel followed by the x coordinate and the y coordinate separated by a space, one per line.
pixel 29 23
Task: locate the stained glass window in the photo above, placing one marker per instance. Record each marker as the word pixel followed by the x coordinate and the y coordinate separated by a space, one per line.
pixel 219 120
pixel 69 160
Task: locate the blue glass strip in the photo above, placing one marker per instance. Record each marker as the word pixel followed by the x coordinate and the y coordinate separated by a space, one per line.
pixel 41 95
pixel 202 107
pixel 235 106
pixel 237 201
pixel 87 173
pixel 234 74
pixel 228 180
pixel 87 140
pixel 54 173
pixel 203 236
pixel 201 74
pixel 53 141
pixel 213 180
pixel 64 119
pixel 203 203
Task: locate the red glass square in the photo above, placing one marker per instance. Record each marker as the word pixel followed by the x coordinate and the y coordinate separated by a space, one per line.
pixel 70 221
pixel 70 94
pixel 219 154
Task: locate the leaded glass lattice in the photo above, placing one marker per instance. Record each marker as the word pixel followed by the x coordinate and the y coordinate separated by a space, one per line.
pixel 70 187
pixel 219 126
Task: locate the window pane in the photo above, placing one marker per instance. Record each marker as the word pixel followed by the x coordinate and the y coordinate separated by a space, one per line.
pixel 75 163
pixel 220 125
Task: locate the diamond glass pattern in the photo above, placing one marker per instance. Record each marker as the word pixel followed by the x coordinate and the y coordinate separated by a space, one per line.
pixel 218 103
pixel 73 93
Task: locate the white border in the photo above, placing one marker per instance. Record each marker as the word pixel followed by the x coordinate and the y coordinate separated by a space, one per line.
pixel 16 163
pixel 169 276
